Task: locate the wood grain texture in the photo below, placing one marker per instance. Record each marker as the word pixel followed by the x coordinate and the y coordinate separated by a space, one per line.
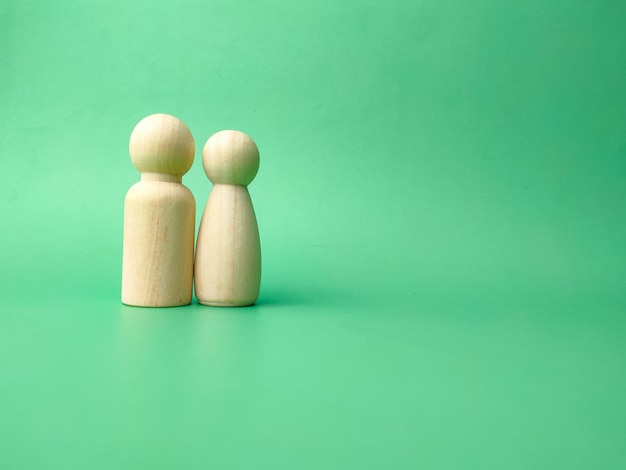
pixel 159 217
pixel 228 250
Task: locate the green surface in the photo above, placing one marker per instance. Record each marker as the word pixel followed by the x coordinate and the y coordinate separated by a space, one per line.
pixel 442 209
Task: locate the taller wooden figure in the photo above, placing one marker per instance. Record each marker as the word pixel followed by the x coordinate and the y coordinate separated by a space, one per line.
pixel 159 216
pixel 228 250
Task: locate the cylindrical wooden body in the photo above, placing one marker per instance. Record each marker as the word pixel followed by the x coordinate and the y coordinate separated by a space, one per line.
pixel 228 249
pixel 159 225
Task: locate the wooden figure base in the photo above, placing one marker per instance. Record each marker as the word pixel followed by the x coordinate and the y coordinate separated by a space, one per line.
pixel 222 304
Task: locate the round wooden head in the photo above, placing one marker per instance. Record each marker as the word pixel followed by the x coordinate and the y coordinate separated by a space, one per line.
pixel 161 143
pixel 230 157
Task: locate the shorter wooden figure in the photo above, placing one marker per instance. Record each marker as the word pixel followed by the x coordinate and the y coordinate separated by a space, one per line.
pixel 159 216
pixel 228 250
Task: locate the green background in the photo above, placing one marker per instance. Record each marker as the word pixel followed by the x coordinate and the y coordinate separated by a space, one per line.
pixel 442 209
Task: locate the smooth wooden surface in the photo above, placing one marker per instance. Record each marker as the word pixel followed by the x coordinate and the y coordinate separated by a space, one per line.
pixel 230 157
pixel 162 144
pixel 159 216
pixel 228 249
pixel 159 225
pixel 228 254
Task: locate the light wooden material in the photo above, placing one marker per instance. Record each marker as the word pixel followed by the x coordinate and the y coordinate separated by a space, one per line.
pixel 159 216
pixel 228 250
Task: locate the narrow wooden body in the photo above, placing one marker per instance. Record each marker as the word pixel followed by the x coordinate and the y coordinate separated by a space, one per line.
pixel 159 225
pixel 228 251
